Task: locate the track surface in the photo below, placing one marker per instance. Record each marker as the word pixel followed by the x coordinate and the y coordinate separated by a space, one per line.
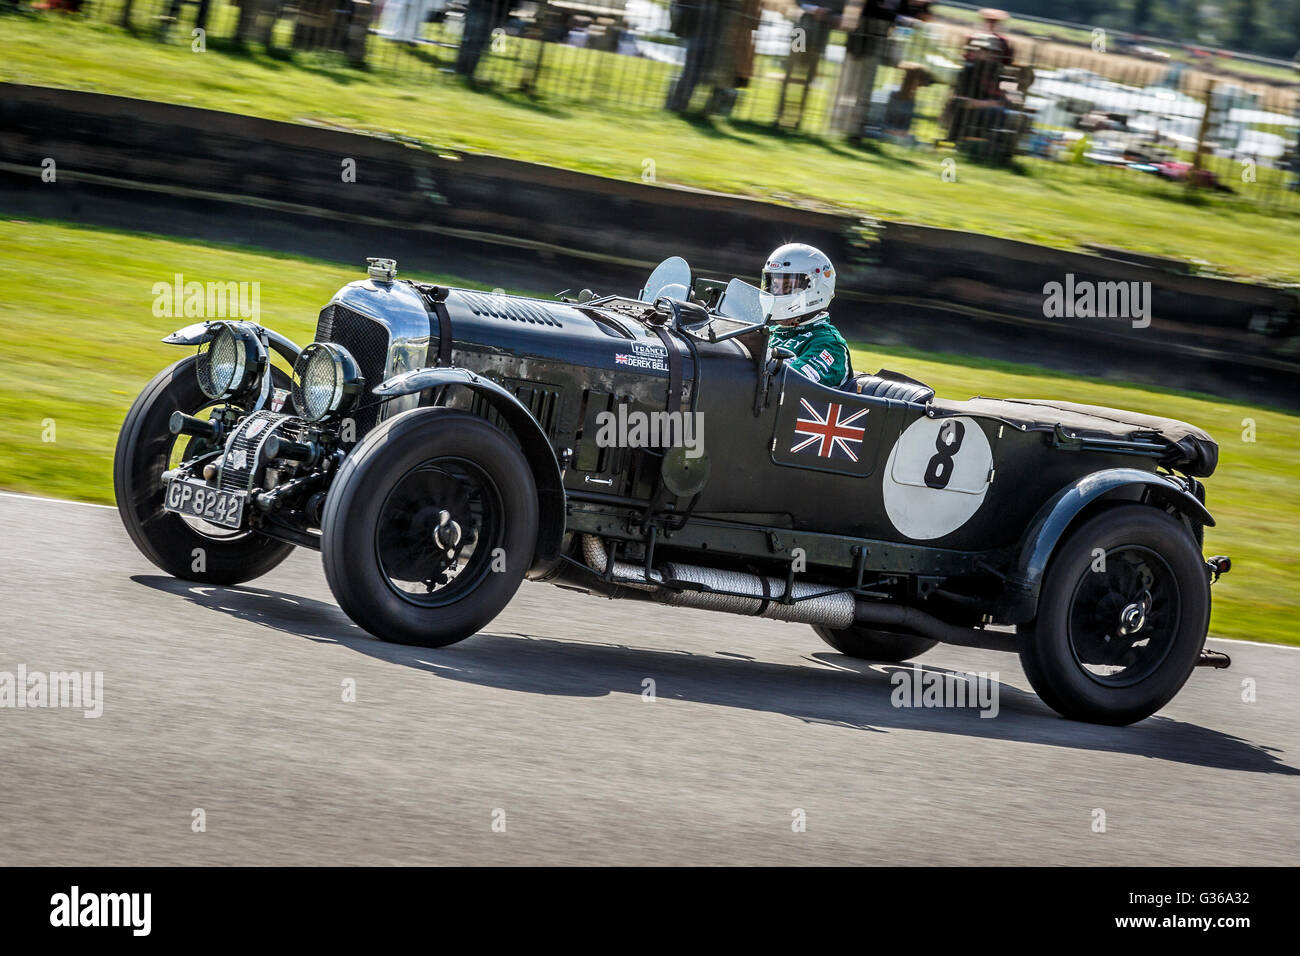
pixel 230 700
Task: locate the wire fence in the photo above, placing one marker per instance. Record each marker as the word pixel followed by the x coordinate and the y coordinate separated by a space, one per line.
pixel 914 82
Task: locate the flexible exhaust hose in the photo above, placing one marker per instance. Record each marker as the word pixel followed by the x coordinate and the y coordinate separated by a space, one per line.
pixel 835 611
pixel 625 573
pixel 831 610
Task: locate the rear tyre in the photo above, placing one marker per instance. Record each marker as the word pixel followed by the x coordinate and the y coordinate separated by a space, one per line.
pixel 429 527
pixel 1116 639
pixel 146 448
pixel 873 644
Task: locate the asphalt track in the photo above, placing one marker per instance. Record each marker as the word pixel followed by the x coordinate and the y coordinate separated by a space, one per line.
pixel 231 701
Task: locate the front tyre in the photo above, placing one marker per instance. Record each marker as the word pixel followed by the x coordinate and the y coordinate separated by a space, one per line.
pixel 1121 619
pixel 429 527
pixel 189 549
pixel 873 644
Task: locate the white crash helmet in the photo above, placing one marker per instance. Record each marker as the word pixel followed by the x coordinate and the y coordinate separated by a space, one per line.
pixel 800 280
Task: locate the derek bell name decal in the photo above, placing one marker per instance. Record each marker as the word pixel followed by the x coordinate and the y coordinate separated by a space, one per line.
pixel 652 357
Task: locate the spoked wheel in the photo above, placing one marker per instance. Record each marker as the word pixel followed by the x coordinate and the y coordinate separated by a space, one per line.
pixel 438 530
pixel 429 527
pixel 1121 618
pixel 182 546
pixel 1124 618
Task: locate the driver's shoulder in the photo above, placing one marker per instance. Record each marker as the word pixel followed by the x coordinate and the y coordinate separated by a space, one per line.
pixel 825 333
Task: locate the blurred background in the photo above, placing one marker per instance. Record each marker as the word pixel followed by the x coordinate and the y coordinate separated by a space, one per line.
pixel 952 159
pixel 1106 90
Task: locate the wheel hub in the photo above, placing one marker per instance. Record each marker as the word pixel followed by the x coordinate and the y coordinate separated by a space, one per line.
pixel 1134 616
pixel 447 534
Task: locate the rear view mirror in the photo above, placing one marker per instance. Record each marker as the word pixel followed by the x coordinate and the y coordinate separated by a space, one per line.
pixel 672 278
pixel 745 303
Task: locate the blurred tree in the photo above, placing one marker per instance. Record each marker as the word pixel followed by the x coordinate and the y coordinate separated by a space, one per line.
pixel 1243 24
pixel 1141 15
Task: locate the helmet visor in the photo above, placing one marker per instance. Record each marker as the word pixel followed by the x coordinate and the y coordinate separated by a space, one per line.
pixel 784 283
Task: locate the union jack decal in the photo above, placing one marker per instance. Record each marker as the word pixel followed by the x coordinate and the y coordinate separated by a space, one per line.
pixel 826 432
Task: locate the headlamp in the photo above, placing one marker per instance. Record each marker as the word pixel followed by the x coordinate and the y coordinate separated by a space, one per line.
pixel 230 360
pixel 326 380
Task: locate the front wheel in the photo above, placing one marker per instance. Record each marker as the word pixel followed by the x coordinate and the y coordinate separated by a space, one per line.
pixel 429 527
pixel 873 644
pixel 1122 617
pixel 183 547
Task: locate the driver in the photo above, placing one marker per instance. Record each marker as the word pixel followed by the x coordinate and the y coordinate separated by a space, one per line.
pixel 802 284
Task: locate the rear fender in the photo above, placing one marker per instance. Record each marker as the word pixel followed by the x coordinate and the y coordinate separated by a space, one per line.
pixel 1049 526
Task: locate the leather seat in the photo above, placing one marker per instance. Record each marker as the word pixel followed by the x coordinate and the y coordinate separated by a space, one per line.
pixel 893 385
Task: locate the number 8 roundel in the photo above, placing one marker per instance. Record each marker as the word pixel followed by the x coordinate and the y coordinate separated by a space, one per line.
pixel 936 476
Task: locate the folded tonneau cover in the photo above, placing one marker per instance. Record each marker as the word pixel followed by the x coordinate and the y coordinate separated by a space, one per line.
pixel 1192 450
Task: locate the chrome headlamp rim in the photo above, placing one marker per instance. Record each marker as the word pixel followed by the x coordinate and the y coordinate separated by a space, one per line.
pixel 329 368
pixel 233 344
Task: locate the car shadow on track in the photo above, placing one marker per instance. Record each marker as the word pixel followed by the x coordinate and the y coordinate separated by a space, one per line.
pixel 839 691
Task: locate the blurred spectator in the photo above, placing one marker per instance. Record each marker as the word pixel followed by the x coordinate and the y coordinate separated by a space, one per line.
pixel 917 39
pixel 901 107
pixel 692 21
pixel 627 45
pixel 404 19
pixel 977 96
pixel 577 35
pixel 868 23
pixel 751 11
pixel 481 18
pixel 808 40
pixel 716 34
pixel 987 55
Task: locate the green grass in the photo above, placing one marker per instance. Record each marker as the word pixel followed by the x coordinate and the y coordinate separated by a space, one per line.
pixel 1056 204
pixel 79 340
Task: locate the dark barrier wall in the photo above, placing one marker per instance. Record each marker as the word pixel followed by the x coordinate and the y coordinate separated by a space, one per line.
pixel 899 283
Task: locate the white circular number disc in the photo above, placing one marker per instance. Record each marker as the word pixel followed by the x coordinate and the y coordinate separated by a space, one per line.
pixel 957 467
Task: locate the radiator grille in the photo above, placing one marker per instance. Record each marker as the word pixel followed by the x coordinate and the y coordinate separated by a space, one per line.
pixel 241 454
pixel 367 340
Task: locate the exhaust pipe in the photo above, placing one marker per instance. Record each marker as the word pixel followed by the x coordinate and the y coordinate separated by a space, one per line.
pixel 690 585
pixel 697 587
pixel 828 610
pixel 902 618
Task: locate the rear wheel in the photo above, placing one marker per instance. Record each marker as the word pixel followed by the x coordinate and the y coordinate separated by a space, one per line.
pixel 873 644
pixel 183 547
pixel 1121 619
pixel 429 527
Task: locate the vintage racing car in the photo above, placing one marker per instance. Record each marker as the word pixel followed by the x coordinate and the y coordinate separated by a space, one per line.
pixel 439 445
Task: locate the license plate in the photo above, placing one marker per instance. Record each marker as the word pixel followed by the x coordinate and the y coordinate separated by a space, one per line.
pixel 188 496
